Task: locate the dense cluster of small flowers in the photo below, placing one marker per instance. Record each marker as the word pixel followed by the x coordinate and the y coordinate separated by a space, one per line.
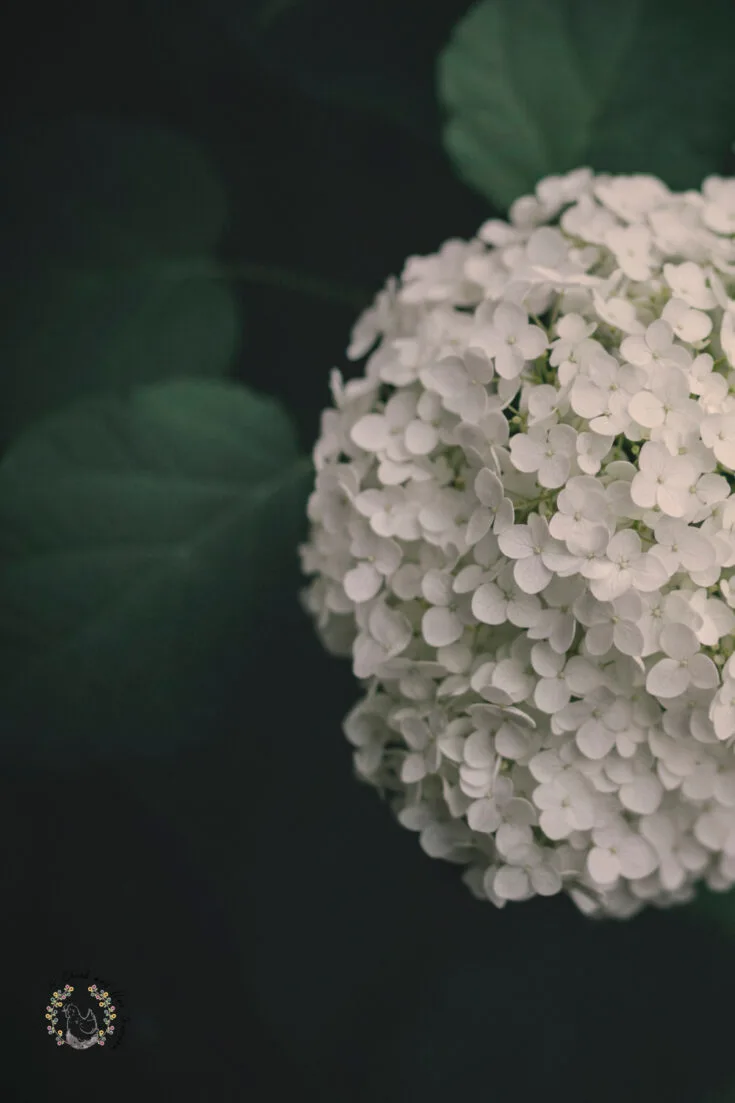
pixel 523 534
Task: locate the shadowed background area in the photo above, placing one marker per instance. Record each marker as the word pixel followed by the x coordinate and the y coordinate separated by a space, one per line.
pixel 270 927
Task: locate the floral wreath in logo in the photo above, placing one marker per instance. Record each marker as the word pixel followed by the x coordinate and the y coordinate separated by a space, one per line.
pixel 57 1001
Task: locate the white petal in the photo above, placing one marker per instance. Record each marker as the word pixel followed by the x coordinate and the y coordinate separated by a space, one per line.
pixel 703 672
pixel 643 795
pixel 516 542
pixel 471 404
pixel 635 350
pixel 545 766
pixel 643 490
pixel 391 629
pixel 637 858
pixel 587 399
pixel 531 574
pixel 362 582
pixel 415 817
pixel 647 409
pixel 416 732
pixel 628 638
pixel 602 866
pixel 546 881
pixel 483 816
pixel 367 656
pixel 413 768
pixel 457 658
pixel 524 610
pixel 478 750
pixel 725 789
pixel 725 449
pixel 446 379
pixel 478 525
pixel 710 831
pixel 599 638
pixel 489 604
pixel 437 586
pixel 649 573
pixel 554 823
pixel 554 471
pixel 420 437
pixel 594 739
pixel 511 742
pixel 671 501
pixel 435 840
pixel 475 778
pixel 550 793
pixel 488 487
pixel 450 745
pixel 678 641
pixel 468 579
pixel 582 676
pixel 406 582
pixel 526 453
pixel 508 362
pixel 668 678
pixel 582 815
pixel 532 341
pixel 551 694
pixel 440 626
pixel 509 319
pixel 388 556
pixel 700 784
pixel 371 432
pixel 660 831
pixel 520 812
pixel 512 836
pixel 546 662
pixel 611 585
pixel 511 883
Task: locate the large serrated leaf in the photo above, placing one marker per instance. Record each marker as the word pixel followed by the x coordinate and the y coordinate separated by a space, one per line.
pixel 137 538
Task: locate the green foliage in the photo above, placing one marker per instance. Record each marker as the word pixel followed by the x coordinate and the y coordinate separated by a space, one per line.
pixel 716 908
pixel 271 10
pixel 139 538
pixel 365 56
pixel 107 283
pixel 535 87
pixel 726 1095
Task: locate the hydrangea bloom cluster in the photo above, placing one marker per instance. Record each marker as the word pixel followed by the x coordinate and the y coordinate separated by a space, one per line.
pixel 523 534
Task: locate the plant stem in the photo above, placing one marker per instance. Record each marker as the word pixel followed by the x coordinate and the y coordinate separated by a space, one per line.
pixel 270 275
pixel 265 275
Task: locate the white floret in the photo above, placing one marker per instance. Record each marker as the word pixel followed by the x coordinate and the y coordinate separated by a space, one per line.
pixel 523 534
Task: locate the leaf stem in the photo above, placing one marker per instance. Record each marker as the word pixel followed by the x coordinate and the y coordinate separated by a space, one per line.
pixel 266 275
pixel 286 279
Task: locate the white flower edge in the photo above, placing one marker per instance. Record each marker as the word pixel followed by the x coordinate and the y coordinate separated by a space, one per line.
pixel 523 533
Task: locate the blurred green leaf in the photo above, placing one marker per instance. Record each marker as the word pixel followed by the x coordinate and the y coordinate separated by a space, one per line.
pixel 270 10
pixel 535 87
pixel 726 1095
pixel 100 287
pixel 716 907
pixel 139 538
pixel 365 56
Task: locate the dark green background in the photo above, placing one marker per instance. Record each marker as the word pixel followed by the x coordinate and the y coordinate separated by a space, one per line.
pixel 271 929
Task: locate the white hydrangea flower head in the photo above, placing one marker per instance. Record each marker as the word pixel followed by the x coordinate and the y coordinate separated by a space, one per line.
pixel 523 535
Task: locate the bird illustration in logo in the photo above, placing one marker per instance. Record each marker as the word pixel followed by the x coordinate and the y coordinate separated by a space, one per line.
pixel 81 1030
